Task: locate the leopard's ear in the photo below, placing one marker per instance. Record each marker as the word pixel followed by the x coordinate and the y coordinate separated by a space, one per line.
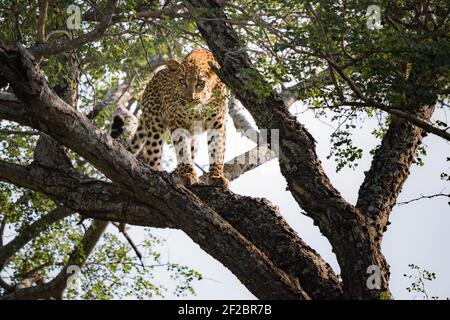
pixel 214 67
pixel 173 64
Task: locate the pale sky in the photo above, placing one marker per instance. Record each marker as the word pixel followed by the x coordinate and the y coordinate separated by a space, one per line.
pixel 419 233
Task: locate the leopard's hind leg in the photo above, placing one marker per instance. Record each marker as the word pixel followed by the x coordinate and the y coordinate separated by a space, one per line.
pixel 154 143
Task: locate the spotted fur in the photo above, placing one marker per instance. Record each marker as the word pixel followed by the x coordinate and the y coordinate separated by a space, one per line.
pixel 183 100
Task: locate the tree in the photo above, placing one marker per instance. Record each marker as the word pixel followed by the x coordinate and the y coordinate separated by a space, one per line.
pixel 344 58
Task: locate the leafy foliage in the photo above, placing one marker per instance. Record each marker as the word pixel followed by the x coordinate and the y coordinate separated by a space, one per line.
pixel 420 277
pixel 403 65
pixel 125 54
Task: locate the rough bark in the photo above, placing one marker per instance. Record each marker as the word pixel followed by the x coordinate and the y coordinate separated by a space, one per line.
pixel 262 223
pixel 390 169
pixel 49 114
pixel 238 231
pixel 89 197
pixel 344 225
pixel 247 161
pixel 294 93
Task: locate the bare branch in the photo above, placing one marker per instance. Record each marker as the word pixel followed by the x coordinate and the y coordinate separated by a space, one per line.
pixel 447 195
pixel 43 9
pixel 19 133
pixel 240 122
pixel 291 94
pixel 421 123
pixel 247 161
pixel 97 33
pixel 130 242
pixel 250 159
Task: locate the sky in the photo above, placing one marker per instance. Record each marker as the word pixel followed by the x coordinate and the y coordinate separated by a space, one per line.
pixel 419 232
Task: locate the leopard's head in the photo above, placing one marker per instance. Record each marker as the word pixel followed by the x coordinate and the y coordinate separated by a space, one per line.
pixel 195 76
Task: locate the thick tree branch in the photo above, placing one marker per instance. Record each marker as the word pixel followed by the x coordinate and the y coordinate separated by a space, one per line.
pixel 261 222
pixel 292 94
pixel 101 200
pixel 87 196
pixel 94 199
pixel 390 169
pixel 340 222
pixel 51 115
pixel 97 33
pixel 49 153
pixel 43 9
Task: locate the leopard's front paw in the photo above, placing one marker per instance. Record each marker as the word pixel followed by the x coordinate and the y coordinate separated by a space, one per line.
pixel 188 179
pixel 186 175
pixel 219 181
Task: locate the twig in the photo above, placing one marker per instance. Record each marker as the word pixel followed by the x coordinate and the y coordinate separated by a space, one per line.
pixel 131 242
pixel 43 9
pixel 97 33
pixel 35 270
pixel 17 22
pixel 421 123
pixel 200 167
pixel 20 133
pixel 424 197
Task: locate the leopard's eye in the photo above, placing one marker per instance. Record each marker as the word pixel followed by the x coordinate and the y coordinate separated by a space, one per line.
pixel 181 80
pixel 200 83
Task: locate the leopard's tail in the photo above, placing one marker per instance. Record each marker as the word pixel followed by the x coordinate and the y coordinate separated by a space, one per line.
pixel 117 126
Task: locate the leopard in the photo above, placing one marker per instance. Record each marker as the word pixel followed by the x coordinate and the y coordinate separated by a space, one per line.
pixel 181 101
